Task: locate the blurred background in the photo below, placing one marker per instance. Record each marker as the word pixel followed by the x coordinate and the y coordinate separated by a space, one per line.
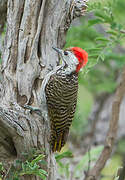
pixel 102 34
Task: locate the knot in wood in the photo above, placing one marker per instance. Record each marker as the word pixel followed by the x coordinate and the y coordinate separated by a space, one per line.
pixel 78 8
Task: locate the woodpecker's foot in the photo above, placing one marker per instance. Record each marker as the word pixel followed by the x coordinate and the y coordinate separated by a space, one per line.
pixel 34 109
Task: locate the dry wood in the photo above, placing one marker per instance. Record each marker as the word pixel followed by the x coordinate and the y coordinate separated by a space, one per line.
pixel 33 27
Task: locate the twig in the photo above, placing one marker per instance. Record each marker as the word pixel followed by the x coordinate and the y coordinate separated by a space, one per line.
pixel 121 172
pixel 122 31
pixel 112 132
pixel 89 162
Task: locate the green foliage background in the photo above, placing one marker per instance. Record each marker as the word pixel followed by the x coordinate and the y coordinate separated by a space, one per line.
pixel 100 34
pixel 105 59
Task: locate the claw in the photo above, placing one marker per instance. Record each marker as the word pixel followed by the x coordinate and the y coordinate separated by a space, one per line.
pixel 35 109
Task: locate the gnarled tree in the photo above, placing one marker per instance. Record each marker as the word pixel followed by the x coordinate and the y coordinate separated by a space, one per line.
pixel 33 27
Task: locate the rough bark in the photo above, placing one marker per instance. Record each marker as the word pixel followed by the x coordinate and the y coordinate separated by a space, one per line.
pixel 33 27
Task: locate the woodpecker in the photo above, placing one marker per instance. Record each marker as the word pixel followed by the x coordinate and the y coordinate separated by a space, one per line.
pixel 61 94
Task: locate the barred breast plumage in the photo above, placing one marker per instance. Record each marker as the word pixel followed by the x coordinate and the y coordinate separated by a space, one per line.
pixel 61 95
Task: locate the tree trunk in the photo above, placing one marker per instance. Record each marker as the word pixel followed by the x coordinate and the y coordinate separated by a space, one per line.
pixel 33 27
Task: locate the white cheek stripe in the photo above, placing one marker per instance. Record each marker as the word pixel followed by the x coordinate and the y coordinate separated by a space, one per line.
pixel 72 62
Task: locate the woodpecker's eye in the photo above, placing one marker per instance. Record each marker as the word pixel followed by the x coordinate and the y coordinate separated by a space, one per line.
pixel 65 53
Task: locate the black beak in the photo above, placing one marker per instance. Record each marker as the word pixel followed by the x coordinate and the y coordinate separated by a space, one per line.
pixel 57 50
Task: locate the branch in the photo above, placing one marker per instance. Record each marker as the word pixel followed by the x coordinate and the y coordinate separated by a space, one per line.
pixel 121 170
pixel 122 31
pixel 9 122
pixel 9 127
pixel 13 131
pixel 112 132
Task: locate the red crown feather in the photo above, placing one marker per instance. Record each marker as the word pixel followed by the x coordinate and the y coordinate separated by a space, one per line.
pixel 81 55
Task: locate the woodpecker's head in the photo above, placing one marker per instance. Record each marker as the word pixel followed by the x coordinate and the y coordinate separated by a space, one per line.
pixel 74 58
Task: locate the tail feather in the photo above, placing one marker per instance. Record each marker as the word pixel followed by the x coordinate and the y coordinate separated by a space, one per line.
pixel 59 141
pixel 54 146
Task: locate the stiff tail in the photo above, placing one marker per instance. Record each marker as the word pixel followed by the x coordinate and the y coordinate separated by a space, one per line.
pixel 59 140
pixel 58 143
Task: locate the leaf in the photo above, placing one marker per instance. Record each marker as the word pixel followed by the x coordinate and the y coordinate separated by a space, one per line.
pixel 102 56
pixel 94 49
pixel 94 21
pixel 42 171
pixel 93 55
pixel 43 162
pixel 104 16
pixel 113 38
pixel 101 45
pixel 1 166
pixel 42 176
pixel 101 39
pixel 16 178
pixel 112 32
pixel 113 25
pixel 67 170
pixel 37 159
pixel 119 27
pixel 66 154
pixel 62 165
pixel 23 167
